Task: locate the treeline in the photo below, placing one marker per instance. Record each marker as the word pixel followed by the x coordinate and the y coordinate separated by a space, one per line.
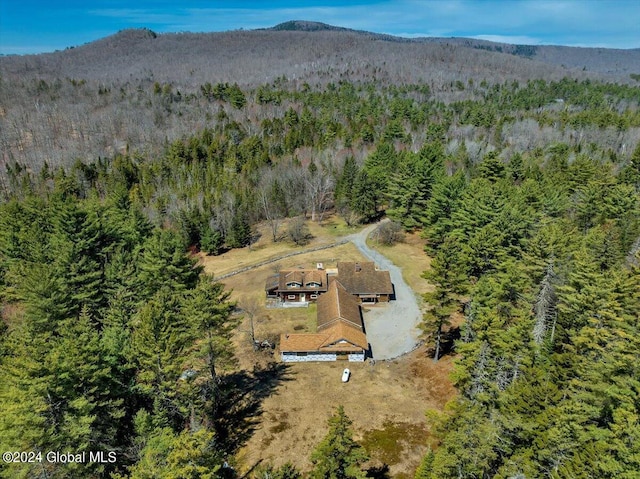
pixel 58 121
pixel 542 257
pixel 112 342
pixel 275 153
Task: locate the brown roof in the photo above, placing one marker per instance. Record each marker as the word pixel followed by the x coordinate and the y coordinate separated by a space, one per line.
pixel 337 305
pixel 336 338
pixel 363 278
pixel 301 342
pixel 340 326
pixel 302 276
pixel 340 332
pixel 272 283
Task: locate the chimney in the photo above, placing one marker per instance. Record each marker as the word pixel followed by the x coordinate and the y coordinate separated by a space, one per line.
pixel 358 268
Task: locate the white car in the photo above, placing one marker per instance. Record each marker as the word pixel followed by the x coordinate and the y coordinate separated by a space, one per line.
pixel 345 375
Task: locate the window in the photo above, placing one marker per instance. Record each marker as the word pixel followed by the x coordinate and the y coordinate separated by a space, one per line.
pixel 313 284
pixel 293 284
pixel 313 296
pixel 291 296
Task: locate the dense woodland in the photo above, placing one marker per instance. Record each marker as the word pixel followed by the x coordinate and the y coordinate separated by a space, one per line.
pixel 528 193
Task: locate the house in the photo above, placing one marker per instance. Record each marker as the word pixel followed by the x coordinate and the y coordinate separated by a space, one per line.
pixel 340 334
pixel 297 285
pixel 361 279
pixel 364 281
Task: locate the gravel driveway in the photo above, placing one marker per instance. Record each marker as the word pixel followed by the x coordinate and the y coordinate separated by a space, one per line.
pixel 391 327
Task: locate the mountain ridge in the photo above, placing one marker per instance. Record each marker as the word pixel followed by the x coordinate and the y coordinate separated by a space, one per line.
pixel 307 51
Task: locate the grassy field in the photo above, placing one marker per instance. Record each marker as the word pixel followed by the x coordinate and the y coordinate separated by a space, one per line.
pixel 410 256
pixel 386 401
pixel 264 248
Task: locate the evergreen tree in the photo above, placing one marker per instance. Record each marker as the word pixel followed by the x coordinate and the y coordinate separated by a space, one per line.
pixel 444 300
pixel 161 338
pixel 338 456
pixel 208 309
pixel 211 240
pixel 239 234
pixel 189 454
pixel 344 189
pixel 365 196
pixel 163 263
pixel 410 188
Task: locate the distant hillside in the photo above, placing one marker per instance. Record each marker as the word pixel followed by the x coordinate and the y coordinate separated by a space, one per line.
pixel 602 60
pixel 136 90
pixel 315 53
pixel 306 26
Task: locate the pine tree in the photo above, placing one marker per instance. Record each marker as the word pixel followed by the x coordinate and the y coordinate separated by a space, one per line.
pixel 437 215
pixel 444 300
pixel 239 234
pixel 188 454
pixel 346 181
pixel 161 338
pixel 211 240
pixel 208 309
pixel 365 196
pixel 338 456
pixel 410 188
pixel 164 263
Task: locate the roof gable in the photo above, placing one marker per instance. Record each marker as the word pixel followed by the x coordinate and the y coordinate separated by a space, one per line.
pixel 364 278
pixel 337 305
pixel 302 279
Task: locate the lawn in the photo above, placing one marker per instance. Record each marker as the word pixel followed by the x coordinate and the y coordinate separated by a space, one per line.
pixel 386 401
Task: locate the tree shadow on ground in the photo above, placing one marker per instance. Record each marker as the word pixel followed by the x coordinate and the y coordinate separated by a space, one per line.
pixel 449 339
pixel 379 472
pixel 240 406
pixel 447 342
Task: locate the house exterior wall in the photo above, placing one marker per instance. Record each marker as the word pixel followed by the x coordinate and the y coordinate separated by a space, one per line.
pixel 379 298
pixel 295 296
pixel 307 357
pixel 288 357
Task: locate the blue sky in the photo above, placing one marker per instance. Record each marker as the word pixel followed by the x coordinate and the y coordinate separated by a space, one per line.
pixel 33 26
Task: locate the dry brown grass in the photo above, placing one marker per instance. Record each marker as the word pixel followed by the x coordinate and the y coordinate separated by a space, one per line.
pixel 270 323
pixel 410 256
pixel 380 399
pixel 387 401
pixel 326 232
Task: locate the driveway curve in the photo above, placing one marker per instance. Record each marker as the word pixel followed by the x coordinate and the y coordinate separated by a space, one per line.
pixel 392 328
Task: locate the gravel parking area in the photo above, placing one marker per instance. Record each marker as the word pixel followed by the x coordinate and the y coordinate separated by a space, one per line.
pixel 392 328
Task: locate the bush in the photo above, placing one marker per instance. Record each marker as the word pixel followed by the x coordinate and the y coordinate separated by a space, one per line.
pixel 389 233
pixel 298 231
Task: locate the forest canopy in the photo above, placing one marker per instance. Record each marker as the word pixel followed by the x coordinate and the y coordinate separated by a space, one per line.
pixel 528 195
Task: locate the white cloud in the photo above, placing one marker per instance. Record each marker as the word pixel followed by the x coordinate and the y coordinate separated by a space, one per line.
pixel 614 23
